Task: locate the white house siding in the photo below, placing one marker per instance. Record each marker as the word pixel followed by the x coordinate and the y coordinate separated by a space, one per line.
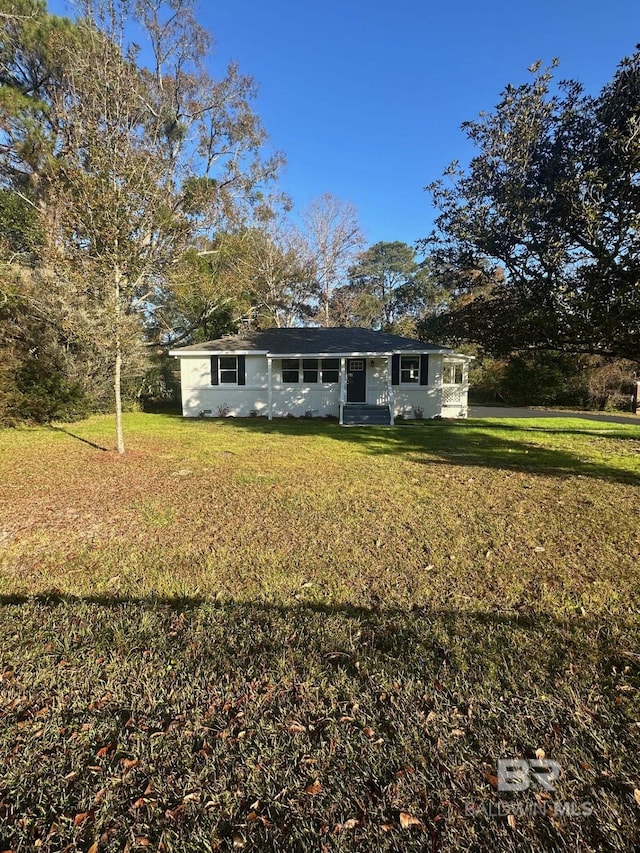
pixel 377 388
pixel 455 397
pixel 200 397
pixel 426 397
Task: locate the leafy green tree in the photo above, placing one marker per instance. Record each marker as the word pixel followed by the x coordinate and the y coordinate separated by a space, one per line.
pixel 389 289
pixel 129 164
pixel 538 238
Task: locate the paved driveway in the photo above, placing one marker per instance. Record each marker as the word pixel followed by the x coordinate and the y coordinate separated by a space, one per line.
pixel 506 412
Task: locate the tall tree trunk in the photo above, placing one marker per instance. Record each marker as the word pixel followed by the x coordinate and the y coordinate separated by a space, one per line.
pixel 118 370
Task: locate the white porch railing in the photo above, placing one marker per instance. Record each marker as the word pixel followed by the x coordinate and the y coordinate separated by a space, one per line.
pixel 451 395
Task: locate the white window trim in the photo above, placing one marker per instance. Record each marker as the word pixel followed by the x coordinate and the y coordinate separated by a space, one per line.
pixel 454 365
pixel 301 370
pixel 222 384
pixel 415 382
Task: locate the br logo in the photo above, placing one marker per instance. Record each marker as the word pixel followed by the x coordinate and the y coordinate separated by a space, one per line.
pixel 516 774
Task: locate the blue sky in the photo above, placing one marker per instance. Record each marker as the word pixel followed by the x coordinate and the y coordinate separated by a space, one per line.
pixel 366 99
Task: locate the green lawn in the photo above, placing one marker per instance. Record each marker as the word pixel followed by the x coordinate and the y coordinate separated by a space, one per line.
pixel 292 636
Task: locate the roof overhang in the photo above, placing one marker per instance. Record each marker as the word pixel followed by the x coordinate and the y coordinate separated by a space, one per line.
pixel 353 354
pixel 182 353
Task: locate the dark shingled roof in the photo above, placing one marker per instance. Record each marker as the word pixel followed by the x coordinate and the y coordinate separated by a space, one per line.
pixel 307 341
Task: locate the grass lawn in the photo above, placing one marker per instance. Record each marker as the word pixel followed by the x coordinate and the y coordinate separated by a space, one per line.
pixel 295 636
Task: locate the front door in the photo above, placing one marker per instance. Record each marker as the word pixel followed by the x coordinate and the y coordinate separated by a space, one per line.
pixel 356 380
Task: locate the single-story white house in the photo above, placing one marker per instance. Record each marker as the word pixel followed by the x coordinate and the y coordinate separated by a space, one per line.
pixel 356 375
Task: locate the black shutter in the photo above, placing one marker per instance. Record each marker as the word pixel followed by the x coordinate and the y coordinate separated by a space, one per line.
pixel 214 369
pixel 424 369
pixel 241 370
pixel 395 369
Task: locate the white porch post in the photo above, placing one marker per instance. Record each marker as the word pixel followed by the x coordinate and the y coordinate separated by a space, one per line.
pixel 392 400
pixel 270 387
pixel 343 375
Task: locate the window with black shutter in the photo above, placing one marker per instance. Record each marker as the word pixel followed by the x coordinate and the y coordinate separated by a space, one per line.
pixel 395 369
pixel 424 369
pixel 228 370
pixel 409 369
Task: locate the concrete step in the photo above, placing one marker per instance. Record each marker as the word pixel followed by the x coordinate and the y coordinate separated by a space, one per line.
pixel 365 415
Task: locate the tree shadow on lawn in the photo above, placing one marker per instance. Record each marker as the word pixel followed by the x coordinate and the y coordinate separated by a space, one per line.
pixel 472 443
pixel 77 437
pixel 407 640
pixel 380 705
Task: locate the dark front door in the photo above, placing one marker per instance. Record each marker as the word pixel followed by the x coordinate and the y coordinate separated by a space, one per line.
pixel 356 380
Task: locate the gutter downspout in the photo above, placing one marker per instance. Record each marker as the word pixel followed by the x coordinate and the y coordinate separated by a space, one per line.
pixel 270 387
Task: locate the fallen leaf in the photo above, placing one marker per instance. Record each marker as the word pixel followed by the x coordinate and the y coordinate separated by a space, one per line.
pixel 351 823
pixel 407 820
pixel 128 763
pixel 636 796
pixel 540 754
pixel 313 788
pixel 368 731
pixel 70 777
pixel 511 820
pixel 141 841
pixel 458 732
pixel 404 771
pixel 174 814
pixel 387 827
pixel 93 848
pixel 491 779
pixel 105 750
pixel 80 818
pixel 238 840
pixel 296 727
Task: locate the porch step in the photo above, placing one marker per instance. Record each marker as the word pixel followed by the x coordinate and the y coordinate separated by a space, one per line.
pixel 362 414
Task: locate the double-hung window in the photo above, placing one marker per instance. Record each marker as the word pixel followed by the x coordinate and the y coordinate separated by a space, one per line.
pixel 290 370
pixel 228 370
pixel 310 370
pixel 409 369
pixel 452 373
pixel 330 369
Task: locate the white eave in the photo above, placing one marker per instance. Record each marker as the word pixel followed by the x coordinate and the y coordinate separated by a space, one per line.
pixel 181 353
pixel 377 354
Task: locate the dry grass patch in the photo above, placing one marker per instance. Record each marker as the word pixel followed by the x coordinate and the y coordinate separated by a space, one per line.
pixel 292 636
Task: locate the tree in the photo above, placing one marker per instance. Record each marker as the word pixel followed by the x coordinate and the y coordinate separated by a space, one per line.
pixel 334 236
pixel 539 236
pixel 273 264
pixel 128 165
pixel 52 355
pixel 389 276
